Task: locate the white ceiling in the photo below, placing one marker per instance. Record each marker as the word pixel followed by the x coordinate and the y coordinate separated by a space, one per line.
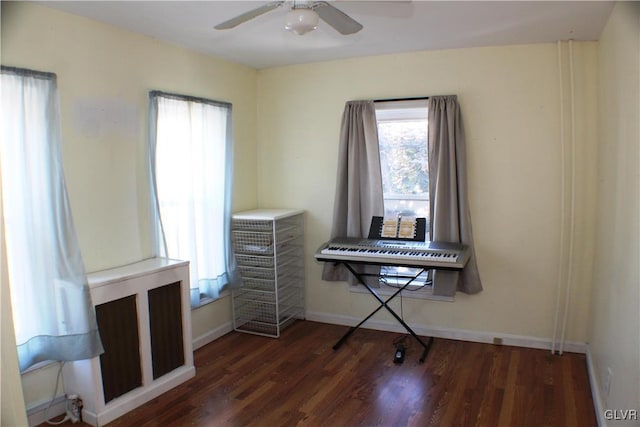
pixel 389 26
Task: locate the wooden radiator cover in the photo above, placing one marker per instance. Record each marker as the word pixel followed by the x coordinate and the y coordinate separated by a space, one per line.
pixel 144 317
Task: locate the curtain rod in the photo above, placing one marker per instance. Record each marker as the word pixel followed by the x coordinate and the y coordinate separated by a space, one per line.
pixel 27 72
pixel 416 98
pixel 189 98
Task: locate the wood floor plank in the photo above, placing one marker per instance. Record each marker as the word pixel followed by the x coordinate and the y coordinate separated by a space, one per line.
pixel 299 380
pixel 509 402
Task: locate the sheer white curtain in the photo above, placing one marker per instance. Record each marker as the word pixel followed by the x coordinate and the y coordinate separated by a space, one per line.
pixel 52 311
pixel 191 164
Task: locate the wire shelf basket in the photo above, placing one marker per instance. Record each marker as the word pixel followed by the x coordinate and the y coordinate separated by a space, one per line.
pixel 269 255
pixel 249 243
pixel 251 225
pixel 254 261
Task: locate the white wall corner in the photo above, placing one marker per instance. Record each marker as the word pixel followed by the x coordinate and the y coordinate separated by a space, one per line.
pixel 598 404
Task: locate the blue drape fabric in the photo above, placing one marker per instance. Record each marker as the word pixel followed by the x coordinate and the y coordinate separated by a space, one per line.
pixel 53 315
pixel 191 165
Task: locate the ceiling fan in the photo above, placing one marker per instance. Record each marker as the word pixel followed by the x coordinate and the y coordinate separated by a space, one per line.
pixel 301 18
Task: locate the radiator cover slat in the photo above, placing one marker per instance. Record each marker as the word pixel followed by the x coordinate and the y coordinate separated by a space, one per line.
pixel 165 324
pixel 120 362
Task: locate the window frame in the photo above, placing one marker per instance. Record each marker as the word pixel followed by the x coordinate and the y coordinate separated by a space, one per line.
pixel 399 111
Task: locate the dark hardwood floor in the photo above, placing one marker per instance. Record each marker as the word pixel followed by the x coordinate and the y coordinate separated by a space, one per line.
pixel 298 380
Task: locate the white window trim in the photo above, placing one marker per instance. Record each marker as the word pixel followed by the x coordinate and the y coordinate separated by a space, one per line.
pixel 401 110
pixel 208 300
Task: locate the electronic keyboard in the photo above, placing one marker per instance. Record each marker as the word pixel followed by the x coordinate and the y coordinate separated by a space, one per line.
pixel 393 252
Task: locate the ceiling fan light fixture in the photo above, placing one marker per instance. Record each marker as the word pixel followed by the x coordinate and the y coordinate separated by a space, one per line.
pixel 301 20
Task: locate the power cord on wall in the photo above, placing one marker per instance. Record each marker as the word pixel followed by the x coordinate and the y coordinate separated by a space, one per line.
pixel 73 404
pixel 55 390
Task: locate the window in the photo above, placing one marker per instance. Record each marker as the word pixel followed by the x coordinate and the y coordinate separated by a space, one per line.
pixel 191 163
pixel 402 135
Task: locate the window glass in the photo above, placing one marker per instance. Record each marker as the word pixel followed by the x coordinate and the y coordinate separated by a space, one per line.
pixel 402 135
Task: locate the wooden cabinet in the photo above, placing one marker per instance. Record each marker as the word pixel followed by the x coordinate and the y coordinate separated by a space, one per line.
pixel 144 318
pixel 269 249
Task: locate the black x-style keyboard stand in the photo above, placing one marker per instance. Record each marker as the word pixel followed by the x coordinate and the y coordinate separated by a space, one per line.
pixel 384 303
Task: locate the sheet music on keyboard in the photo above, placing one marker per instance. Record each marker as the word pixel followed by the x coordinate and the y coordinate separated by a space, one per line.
pixel 398 228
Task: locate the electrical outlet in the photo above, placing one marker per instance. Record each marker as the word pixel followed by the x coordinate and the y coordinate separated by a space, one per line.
pixel 74 408
pixel 607 381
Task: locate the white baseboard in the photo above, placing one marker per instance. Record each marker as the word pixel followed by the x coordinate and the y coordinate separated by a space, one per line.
pixel 598 404
pixel 448 333
pixel 137 397
pixel 38 414
pixel 212 335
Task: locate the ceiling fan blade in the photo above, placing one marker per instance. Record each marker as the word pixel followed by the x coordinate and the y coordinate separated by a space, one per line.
pixel 339 20
pixel 233 22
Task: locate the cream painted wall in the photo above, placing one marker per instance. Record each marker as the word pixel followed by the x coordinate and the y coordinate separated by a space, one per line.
pixel 510 103
pixel 286 155
pixel 615 318
pixel 104 76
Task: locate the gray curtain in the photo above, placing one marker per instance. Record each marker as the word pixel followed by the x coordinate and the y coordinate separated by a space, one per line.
pixel 359 182
pixel 449 206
